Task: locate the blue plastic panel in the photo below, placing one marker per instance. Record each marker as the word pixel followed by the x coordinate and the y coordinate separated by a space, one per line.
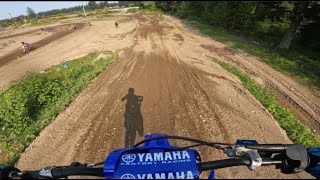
pixel 156 159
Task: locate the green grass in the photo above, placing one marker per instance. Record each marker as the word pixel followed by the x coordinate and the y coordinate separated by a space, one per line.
pixel 145 11
pixel 124 20
pixel 35 23
pixel 93 13
pixel 32 103
pixel 115 11
pixel 17 24
pixel 292 62
pixel 296 131
pixel 133 10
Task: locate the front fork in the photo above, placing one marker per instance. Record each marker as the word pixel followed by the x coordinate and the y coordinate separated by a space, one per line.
pixel 211 176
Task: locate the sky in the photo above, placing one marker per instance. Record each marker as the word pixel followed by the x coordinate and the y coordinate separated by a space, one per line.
pixel 17 8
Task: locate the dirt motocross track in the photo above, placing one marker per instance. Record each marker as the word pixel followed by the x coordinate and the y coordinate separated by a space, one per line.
pixel 57 33
pixel 177 90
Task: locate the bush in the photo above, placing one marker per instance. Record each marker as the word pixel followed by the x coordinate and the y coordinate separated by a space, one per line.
pixel 93 13
pixel 124 20
pixel 150 5
pixel 80 15
pixel 216 13
pixel 28 106
pixel 185 11
pixel 100 11
pixel 58 17
pixel 132 10
pixel 4 24
pixel 291 62
pixel 292 125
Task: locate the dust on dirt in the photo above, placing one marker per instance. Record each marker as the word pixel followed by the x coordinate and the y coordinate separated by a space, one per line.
pixel 182 92
pixel 63 44
pixel 18 34
pixel 58 32
pixel 178 37
pixel 12 43
pixel 303 103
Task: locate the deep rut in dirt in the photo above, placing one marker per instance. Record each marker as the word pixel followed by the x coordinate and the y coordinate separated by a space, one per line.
pixel 155 87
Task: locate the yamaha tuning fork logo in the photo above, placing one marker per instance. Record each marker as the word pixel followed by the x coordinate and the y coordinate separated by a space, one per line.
pixel 128 158
pixel 127 176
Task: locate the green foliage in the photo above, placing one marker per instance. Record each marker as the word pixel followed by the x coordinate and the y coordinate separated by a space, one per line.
pixel 59 17
pixel 124 20
pixel 146 11
pixel 217 13
pixel 294 128
pixel 127 3
pixel 29 105
pixel 94 13
pixel 167 6
pixel 92 5
pixel 273 30
pixel 133 10
pixel 234 15
pixel 308 40
pixel 292 62
pixel 38 23
pixel 185 10
pixel 149 5
pixel 265 20
pixel 263 24
pixel 31 13
pixel 4 24
pixel 114 11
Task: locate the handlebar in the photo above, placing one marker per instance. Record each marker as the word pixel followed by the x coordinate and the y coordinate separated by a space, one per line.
pixel 206 166
pixel 62 172
pixel 59 173
pixel 289 158
pixel 269 147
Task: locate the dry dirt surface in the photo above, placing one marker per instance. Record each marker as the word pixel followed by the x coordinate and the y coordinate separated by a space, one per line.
pixel 10 39
pixel 57 33
pixel 165 81
pixel 59 43
pixel 289 93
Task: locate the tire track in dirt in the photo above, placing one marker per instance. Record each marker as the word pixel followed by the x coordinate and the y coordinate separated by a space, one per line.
pixel 179 98
pixel 49 29
pixel 57 34
pixel 18 34
pixel 290 94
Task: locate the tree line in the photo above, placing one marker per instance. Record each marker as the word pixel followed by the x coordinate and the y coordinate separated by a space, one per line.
pixel 281 21
pixel 91 5
pixel 286 20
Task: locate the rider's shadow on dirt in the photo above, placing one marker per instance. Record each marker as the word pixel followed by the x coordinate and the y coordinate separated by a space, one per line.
pixel 133 121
